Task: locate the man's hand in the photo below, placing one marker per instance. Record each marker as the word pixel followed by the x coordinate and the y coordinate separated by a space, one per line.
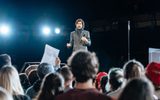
pixel 57 61
pixel 68 45
pixel 84 39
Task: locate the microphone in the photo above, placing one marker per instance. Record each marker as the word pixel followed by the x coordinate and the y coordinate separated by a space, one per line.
pixel 83 35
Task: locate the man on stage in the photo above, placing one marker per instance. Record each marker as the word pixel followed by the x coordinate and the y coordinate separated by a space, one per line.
pixel 80 38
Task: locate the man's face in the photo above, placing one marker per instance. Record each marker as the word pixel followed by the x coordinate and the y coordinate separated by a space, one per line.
pixel 79 25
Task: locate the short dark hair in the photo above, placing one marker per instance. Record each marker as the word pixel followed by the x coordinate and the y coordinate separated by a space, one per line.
pixel 84 65
pixel 104 82
pixel 116 78
pixel 131 69
pixel 65 71
pixel 24 80
pixel 30 68
pixel 5 59
pixel 43 69
pixel 32 76
pixel 80 20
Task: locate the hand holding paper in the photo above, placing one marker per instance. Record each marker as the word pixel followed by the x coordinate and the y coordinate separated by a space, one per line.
pixel 50 55
pixel 57 61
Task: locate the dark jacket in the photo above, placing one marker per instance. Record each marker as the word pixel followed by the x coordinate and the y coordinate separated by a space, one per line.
pixel 33 90
pixel 21 97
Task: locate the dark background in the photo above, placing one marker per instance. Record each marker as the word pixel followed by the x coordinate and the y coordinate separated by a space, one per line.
pixel 106 20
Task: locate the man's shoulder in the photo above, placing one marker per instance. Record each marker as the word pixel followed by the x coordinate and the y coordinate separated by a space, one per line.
pixel 64 96
pixel 82 94
pixel 115 94
pixel 73 31
pixel 98 96
pixel 86 31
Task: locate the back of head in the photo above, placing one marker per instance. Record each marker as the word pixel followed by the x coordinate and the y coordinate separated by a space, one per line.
pixel 66 73
pixel 5 59
pixel 4 95
pixel 52 85
pixel 30 68
pixel 43 69
pixel 116 78
pixel 9 79
pixel 84 65
pixel 104 82
pixel 133 69
pixel 24 80
pixel 32 76
pixel 153 73
pixel 138 89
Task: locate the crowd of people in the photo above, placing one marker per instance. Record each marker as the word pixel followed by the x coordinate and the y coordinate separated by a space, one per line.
pixel 79 79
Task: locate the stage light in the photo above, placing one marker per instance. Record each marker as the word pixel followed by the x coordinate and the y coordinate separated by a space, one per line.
pixel 57 30
pixel 46 30
pixel 5 30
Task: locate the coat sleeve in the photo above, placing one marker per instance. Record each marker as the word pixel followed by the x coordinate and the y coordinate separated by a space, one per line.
pixel 71 38
pixel 88 38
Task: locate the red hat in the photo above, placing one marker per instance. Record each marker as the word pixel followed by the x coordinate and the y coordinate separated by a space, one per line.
pixel 153 72
pixel 98 79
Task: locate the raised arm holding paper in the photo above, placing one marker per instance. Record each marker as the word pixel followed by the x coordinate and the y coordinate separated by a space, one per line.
pixel 50 56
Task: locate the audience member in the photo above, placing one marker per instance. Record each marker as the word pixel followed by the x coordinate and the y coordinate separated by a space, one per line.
pixel 32 76
pixel 132 69
pixel 24 81
pixel 9 79
pixel 116 79
pixel 52 85
pixel 84 66
pixel 42 70
pixel 4 95
pixel 138 89
pixel 68 77
pixel 5 59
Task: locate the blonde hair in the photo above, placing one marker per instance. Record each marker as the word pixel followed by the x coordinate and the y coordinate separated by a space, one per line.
pixel 9 79
pixel 4 95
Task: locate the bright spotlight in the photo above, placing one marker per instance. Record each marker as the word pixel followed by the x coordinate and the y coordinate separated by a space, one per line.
pixel 57 30
pixel 4 30
pixel 46 30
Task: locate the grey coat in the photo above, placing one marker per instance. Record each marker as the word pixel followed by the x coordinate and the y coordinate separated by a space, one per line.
pixel 76 42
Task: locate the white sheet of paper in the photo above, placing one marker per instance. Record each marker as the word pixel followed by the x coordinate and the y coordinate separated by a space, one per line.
pixel 154 55
pixel 50 54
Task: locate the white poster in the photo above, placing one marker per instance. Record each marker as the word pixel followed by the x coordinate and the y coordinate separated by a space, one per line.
pixel 154 55
pixel 50 55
